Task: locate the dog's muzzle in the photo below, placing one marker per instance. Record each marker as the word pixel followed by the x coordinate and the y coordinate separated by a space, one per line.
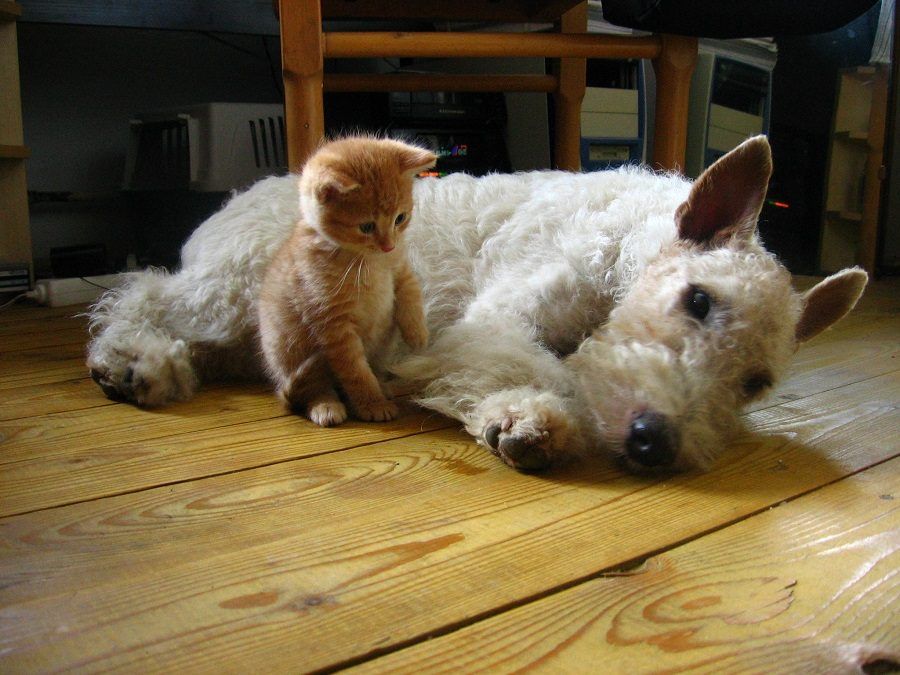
pixel 651 441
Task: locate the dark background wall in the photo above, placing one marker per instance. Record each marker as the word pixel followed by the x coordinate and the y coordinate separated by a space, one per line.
pixel 81 84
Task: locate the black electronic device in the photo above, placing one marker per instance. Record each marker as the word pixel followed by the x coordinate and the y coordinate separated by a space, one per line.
pixel 464 130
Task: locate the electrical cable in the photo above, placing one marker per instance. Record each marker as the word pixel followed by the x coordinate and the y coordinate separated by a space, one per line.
pixel 276 80
pixel 27 294
pixel 105 288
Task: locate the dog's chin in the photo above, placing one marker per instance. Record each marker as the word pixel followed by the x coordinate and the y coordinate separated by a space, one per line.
pixel 629 465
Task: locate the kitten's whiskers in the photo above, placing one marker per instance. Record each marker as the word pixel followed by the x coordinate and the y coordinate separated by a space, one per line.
pixel 360 277
pixel 340 285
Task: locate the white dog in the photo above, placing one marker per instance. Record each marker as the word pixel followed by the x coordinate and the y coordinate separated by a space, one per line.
pixel 624 310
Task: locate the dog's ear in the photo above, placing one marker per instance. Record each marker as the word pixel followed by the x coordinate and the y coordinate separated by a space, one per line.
pixel 828 301
pixel 329 185
pixel 726 199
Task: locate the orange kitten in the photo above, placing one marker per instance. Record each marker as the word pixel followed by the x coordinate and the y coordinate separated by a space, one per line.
pixel 337 286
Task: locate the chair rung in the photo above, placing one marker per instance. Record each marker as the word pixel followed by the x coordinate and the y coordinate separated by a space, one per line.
pixel 438 82
pixel 548 45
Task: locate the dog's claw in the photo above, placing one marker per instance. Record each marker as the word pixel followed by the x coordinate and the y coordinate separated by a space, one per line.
pixel 108 389
pixel 520 451
pixel 492 435
pixel 525 453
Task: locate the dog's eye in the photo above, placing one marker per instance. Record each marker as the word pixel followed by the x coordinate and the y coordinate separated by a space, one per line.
pixel 697 303
pixel 367 228
pixel 399 219
pixel 756 384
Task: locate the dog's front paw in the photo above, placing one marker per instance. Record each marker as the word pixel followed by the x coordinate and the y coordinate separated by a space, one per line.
pixel 528 430
pixel 525 450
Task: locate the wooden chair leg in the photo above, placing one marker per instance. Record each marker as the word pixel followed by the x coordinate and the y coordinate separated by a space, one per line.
pixel 302 65
pixel 874 174
pixel 568 97
pixel 674 67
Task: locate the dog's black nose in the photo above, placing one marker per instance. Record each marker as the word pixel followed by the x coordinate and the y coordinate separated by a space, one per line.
pixel 650 440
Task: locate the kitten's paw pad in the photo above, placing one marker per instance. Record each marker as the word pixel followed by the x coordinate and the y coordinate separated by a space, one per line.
pixel 520 449
pixel 377 411
pixel 327 413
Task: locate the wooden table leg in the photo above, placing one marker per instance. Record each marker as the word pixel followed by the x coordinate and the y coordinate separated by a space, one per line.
pixel 674 67
pixel 302 65
pixel 567 99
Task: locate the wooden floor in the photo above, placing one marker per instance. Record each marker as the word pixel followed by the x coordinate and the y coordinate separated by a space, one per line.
pixel 222 536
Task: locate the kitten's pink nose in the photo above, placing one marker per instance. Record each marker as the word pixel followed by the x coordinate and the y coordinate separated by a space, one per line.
pixel 387 248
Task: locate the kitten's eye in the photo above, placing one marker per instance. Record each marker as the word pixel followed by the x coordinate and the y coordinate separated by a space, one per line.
pixel 756 384
pixel 367 228
pixel 399 219
pixel 697 303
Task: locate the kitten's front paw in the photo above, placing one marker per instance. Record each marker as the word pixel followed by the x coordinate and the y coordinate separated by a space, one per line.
pixel 415 335
pixel 377 411
pixel 327 413
pixel 527 432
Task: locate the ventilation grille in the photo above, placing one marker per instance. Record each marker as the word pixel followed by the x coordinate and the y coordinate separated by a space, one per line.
pixel 269 144
pixel 209 147
pixel 163 158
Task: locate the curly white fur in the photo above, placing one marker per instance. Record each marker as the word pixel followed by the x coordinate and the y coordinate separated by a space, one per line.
pixel 517 271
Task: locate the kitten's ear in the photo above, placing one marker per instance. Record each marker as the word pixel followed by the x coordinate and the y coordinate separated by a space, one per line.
pixel 414 160
pixel 331 185
pixel 726 199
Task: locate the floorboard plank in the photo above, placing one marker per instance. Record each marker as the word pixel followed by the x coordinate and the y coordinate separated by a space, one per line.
pixel 27 310
pixel 64 371
pixel 79 393
pixel 379 545
pixel 811 586
pixel 108 456
pixel 45 364
pixel 59 434
pixel 35 323
pixel 30 334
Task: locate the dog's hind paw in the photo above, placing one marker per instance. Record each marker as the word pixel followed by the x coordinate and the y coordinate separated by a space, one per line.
pixel 152 372
pixel 528 430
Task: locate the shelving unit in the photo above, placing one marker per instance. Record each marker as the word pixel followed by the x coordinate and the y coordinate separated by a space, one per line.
pixel 15 234
pixel 855 171
pixel 613 115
